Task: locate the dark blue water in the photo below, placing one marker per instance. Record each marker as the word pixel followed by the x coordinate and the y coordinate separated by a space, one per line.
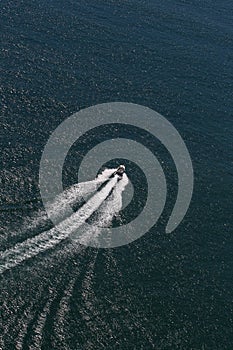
pixel 164 291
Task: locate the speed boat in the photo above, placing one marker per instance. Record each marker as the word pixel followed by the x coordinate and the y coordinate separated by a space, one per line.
pixel 120 171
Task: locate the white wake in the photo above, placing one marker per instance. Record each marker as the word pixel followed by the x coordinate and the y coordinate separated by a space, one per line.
pixel 106 212
pixel 74 195
pixel 106 203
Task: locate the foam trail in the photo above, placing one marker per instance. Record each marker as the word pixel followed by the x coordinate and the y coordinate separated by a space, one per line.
pixel 57 208
pixel 49 239
pixel 73 195
pixel 105 213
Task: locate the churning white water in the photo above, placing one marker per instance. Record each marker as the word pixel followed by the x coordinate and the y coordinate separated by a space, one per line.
pixel 105 203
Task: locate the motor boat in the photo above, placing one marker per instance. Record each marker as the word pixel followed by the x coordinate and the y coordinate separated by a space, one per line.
pixel 120 171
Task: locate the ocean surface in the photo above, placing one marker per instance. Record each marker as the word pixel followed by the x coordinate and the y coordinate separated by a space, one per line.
pixel 163 291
